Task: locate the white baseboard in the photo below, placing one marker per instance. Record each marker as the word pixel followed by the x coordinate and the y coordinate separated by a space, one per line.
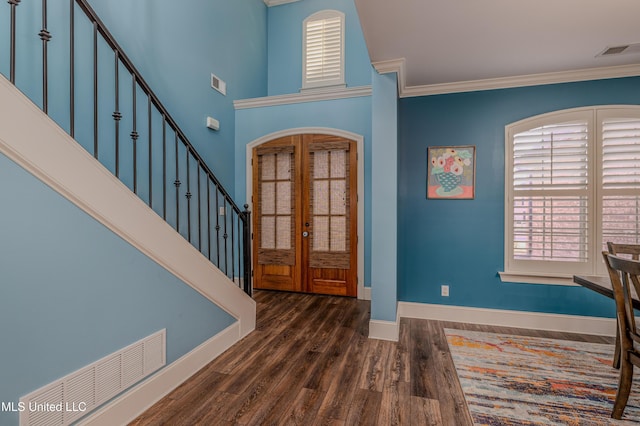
pixel 384 330
pixel 366 293
pixel 138 399
pixel 518 319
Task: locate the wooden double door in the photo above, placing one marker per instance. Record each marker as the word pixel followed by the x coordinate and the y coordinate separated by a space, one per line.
pixel 305 215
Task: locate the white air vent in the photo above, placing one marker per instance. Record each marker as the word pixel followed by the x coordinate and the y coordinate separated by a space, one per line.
pixel 218 84
pixel 75 395
pixel 619 50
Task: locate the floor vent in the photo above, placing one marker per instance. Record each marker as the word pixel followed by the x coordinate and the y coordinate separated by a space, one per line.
pixel 75 395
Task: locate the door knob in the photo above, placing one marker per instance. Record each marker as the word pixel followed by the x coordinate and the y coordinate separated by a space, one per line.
pixel 305 234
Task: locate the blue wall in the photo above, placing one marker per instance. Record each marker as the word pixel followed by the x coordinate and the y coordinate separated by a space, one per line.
pixel 460 242
pixel 72 292
pixel 285 45
pixel 384 253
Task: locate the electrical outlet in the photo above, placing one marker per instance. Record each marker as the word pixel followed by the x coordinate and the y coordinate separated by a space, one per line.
pixel 221 211
pixel 444 290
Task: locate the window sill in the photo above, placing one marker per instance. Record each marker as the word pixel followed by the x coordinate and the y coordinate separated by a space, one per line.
pixel 537 278
pixel 320 88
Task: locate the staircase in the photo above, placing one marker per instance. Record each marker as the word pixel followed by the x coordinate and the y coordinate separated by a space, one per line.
pixel 138 142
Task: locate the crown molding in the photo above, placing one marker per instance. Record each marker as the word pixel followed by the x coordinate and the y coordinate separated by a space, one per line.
pixel 393 65
pixel 307 96
pixel 523 80
pixel 398 65
pixel 271 3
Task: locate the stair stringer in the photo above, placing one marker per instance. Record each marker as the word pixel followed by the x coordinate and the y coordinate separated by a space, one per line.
pixel 34 141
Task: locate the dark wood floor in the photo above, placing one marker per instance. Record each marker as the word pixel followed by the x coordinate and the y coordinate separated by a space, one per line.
pixel 309 362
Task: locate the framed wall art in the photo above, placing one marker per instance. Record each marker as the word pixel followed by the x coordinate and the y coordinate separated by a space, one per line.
pixel 451 172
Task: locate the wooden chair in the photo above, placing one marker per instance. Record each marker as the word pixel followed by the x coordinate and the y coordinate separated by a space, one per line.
pixel 625 273
pixel 623 250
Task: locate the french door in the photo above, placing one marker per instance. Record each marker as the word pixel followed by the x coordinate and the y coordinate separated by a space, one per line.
pixel 305 215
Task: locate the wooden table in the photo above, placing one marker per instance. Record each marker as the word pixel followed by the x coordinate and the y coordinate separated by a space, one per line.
pixel 601 285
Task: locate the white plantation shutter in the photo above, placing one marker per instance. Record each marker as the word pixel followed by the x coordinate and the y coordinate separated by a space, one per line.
pixel 550 193
pixel 323 50
pixel 572 184
pixel 621 180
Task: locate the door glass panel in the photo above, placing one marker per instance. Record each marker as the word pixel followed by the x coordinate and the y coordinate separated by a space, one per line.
pixel 320 197
pixel 283 233
pixel 321 233
pixel 321 164
pixel 284 198
pixel 329 201
pixel 338 164
pixel 284 166
pixel 276 201
pixel 338 233
pixel 268 232
pixel 268 198
pixel 338 197
pixel 268 167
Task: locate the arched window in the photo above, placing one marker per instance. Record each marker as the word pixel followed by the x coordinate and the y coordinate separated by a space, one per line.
pixel 572 184
pixel 323 50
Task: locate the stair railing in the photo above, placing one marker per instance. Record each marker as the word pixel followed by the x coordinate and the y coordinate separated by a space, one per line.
pixel 198 206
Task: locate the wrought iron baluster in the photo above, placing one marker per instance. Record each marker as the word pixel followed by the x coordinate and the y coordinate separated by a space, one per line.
pixel 217 228
pixel 225 236
pixel 117 116
pixel 150 153
pixel 12 56
pixel 134 137
pixel 45 36
pixel 208 220
pixel 233 262
pixel 95 89
pixel 72 54
pixel 164 167
pixel 240 245
pixel 176 183
pixel 188 195
pixel 199 213
pixel 246 252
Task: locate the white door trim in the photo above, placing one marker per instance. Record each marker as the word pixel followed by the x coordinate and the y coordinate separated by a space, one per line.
pixel 325 131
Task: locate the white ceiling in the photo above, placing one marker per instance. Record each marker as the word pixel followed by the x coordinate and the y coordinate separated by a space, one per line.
pixel 450 45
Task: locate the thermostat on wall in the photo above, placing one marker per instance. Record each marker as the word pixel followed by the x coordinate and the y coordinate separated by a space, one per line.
pixel 218 84
pixel 212 123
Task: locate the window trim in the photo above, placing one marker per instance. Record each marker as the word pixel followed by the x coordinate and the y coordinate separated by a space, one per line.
pixel 550 272
pixel 334 83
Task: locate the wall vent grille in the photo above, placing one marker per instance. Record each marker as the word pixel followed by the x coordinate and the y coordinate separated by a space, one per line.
pixel 218 84
pixel 77 394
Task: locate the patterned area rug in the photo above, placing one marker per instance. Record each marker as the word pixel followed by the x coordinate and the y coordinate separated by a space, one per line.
pixel 517 380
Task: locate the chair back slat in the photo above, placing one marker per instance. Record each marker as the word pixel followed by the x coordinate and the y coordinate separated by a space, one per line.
pixel 630 250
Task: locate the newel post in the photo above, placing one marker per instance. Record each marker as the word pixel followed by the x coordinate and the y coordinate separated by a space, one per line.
pixel 247 250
